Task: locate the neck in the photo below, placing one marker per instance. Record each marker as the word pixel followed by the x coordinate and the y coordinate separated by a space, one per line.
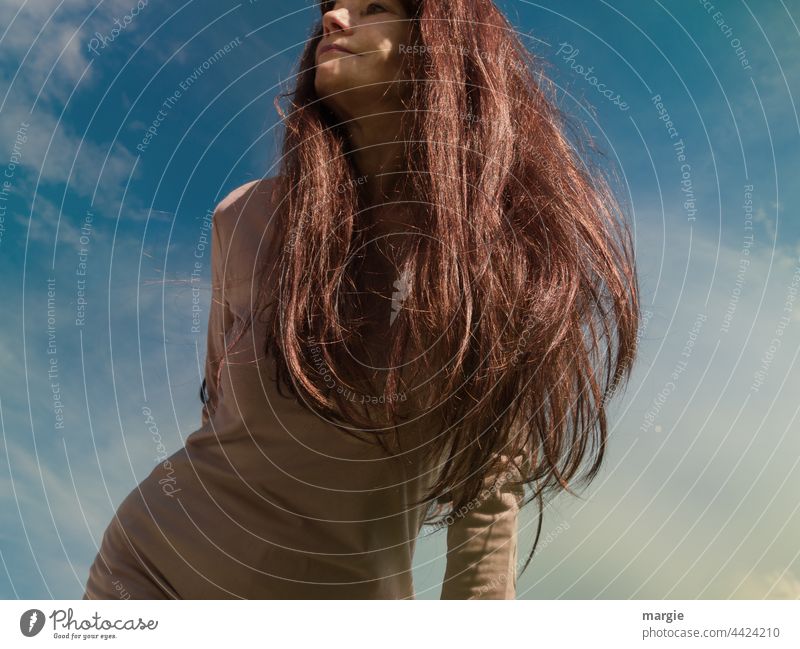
pixel 377 148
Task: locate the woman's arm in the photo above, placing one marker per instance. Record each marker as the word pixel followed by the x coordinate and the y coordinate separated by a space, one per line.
pixel 220 319
pixel 482 542
pixel 120 569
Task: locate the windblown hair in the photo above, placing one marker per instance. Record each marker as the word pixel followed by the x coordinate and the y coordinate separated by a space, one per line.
pixel 524 300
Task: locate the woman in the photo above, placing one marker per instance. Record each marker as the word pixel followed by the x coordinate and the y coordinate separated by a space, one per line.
pixel 413 320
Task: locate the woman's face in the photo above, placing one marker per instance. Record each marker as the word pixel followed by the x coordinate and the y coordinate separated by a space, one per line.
pixel 376 34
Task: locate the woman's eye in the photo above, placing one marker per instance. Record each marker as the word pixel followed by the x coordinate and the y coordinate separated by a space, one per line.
pixel 374 5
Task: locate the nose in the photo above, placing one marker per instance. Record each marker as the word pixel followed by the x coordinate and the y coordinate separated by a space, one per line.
pixel 333 21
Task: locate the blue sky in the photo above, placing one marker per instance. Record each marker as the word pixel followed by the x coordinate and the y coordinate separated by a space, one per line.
pixel 698 497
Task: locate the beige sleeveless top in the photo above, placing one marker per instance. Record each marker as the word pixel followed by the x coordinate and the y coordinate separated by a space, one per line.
pixel 267 500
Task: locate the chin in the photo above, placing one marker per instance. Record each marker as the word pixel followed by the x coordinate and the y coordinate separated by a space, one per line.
pixel 328 84
pixel 328 80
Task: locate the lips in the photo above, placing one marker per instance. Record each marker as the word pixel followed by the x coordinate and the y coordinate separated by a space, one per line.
pixel 334 47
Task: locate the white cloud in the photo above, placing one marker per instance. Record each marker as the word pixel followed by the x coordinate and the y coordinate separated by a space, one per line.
pixel 776 584
pixel 42 70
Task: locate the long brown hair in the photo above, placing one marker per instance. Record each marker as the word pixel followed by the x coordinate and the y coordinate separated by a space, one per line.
pixel 523 278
